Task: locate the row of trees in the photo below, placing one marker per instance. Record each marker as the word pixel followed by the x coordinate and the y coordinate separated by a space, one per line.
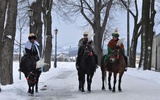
pixel 97 13
pixel 8 20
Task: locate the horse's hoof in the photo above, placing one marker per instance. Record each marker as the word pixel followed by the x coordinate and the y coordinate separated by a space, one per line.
pixel 79 89
pixel 103 89
pixel 30 94
pixel 120 90
pixel 82 91
pixel 113 91
pixel 89 91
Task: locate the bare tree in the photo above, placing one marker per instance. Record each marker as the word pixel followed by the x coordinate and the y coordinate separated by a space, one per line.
pixel 36 22
pixel 136 30
pixel 95 12
pixel 148 14
pixel 47 18
pixel 3 5
pixel 8 36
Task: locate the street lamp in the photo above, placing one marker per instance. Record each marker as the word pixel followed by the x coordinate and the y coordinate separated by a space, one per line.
pixel 30 14
pixel 128 33
pixel 55 56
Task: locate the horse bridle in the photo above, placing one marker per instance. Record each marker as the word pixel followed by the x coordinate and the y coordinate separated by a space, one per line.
pixel 117 55
pixel 30 81
pixel 87 50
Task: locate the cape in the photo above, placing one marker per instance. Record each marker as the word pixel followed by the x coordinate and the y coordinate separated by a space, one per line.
pixel 28 45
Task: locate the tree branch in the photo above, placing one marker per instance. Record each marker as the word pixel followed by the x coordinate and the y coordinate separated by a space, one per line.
pixel 84 15
pixel 125 5
pixel 89 7
pixel 106 15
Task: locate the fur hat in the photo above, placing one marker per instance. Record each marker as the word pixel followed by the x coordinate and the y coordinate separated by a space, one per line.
pixel 32 36
pixel 115 34
pixel 85 34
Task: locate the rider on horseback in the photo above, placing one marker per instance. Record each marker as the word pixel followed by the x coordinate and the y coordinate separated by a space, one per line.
pixel 84 41
pixel 31 48
pixel 113 44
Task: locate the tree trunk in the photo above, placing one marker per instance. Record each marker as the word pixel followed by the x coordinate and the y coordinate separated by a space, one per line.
pixel 36 19
pixel 145 21
pixel 3 6
pixel 133 47
pixel 47 5
pixel 97 44
pixel 148 23
pixel 151 33
pixel 142 51
pixel 133 52
pixel 8 43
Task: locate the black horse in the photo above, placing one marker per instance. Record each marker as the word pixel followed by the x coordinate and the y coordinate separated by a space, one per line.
pixel 28 67
pixel 87 66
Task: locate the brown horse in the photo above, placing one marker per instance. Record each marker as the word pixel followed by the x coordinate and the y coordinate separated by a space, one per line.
pixel 116 65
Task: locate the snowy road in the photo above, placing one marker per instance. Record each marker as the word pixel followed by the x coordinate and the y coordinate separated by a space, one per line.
pixel 62 84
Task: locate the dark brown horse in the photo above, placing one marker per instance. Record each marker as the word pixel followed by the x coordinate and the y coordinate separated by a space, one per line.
pixel 116 65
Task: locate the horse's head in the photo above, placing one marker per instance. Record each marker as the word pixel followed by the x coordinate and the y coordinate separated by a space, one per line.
pixel 87 50
pixel 115 55
pixel 32 78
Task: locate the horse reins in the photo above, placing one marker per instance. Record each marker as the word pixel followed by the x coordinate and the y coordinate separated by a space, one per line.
pixel 30 80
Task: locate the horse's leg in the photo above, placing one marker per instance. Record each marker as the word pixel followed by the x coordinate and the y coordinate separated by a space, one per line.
pixel 103 78
pixel 36 85
pixel 37 80
pixel 109 80
pixel 91 76
pixel 89 81
pixel 32 89
pixel 103 70
pixel 119 83
pixel 80 81
pixel 29 89
pixel 114 82
pixel 83 81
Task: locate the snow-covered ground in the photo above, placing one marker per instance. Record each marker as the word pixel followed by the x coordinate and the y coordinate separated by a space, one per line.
pixel 62 84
